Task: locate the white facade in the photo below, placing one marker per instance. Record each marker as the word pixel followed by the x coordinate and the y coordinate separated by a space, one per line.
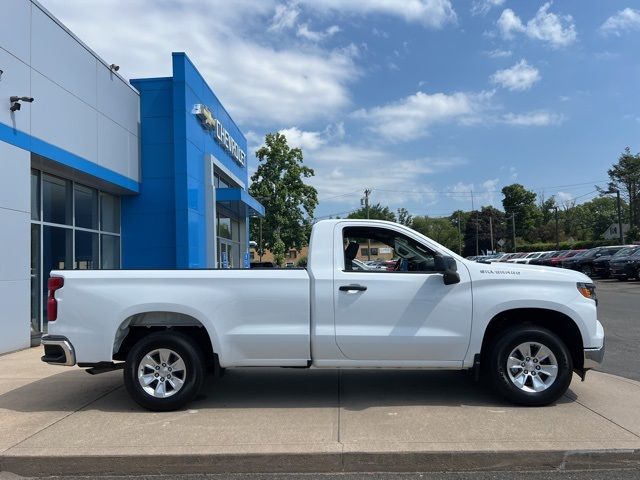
pixel 83 124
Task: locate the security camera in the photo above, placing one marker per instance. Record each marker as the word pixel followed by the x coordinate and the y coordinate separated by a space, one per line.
pixel 114 67
pixel 15 102
pixel 21 99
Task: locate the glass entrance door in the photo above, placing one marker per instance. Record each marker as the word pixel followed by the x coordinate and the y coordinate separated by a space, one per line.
pixel 227 254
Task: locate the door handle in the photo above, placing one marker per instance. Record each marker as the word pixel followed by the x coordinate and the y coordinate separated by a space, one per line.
pixel 350 288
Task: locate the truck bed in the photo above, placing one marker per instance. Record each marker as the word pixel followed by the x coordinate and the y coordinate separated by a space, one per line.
pixel 255 317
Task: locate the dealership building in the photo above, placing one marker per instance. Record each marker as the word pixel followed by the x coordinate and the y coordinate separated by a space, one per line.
pixel 100 173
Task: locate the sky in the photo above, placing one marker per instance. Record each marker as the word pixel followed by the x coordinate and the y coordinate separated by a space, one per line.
pixel 434 105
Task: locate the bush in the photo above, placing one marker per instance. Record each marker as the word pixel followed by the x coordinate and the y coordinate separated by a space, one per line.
pixel 544 247
pixel 302 262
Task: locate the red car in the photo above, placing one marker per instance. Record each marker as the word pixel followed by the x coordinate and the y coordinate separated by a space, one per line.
pixel 556 261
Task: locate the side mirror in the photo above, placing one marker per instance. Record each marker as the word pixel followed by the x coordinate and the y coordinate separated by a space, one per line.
pixel 449 267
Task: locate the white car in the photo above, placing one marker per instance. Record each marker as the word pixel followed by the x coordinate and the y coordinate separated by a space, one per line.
pixel 526 327
pixel 527 258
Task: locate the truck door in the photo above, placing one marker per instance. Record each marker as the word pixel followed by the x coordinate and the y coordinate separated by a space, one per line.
pixel 397 309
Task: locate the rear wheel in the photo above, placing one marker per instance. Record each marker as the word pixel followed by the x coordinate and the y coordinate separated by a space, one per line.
pixel 530 365
pixel 164 371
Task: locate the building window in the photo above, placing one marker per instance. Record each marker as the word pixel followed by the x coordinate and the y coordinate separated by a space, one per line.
pixel 109 213
pixel 56 200
pixel 72 226
pixel 86 207
pixel 291 254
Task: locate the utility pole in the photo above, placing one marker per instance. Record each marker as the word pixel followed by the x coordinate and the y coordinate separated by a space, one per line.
pixel 367 192
pixel 459 234
pixel 477 224
pixel 513 226
pixel 491 231
pixel 617 192
pixel 619 218
pixel 557 234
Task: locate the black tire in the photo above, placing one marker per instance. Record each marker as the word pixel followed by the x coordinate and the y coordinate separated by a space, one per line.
pixel 194 372
pixel 587 270
pixel 498 372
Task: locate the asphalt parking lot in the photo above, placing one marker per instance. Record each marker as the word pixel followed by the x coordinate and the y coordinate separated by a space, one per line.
pixel 619 312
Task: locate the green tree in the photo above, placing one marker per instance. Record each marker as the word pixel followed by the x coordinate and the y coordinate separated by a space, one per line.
pixel 442 230
pixel 376 212
pixel 404 217
pixel 521 202
pixel 625 177
pixel 490 224
pixel 289 202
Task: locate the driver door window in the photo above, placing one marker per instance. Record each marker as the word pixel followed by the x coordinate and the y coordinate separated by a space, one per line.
pixel 394 252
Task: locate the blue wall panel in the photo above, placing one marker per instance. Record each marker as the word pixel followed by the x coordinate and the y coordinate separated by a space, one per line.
pixel 148 220
pixel 166 225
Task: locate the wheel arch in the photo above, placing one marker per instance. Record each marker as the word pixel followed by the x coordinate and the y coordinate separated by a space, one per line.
pixel 557 322
pixel 143 322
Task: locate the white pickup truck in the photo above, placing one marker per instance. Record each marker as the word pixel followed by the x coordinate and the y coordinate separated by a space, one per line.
pixel 526 328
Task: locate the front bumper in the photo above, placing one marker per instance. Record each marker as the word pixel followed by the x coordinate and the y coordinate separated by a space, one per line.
pixel 58 350
pixel 593 357
pixel 620 271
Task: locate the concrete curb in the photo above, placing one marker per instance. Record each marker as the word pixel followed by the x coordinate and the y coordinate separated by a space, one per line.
pixel 28 465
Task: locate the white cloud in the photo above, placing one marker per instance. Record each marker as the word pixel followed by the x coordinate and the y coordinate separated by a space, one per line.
pixel 482 7
pixel 302 139
pixel 533 119
pixel 304 31
pixel 498 53
pixel 478 195
pixel 623 21
pixel 284 17
pixel 509 22
pixel 556 30
pixel 257 82
pixel 344 170
pixel 411 116
pixel 565 198
pixel 520 77
pixel 429 13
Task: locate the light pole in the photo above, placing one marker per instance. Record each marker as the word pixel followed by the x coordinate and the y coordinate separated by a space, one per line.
pixel 617 192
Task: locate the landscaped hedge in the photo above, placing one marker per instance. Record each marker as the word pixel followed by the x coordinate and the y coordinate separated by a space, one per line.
pixel 543 247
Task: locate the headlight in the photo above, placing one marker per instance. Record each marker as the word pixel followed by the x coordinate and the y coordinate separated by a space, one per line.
pixel 588 290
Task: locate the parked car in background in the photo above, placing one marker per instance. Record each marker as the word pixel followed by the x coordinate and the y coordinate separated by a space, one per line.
pixel 556 261
pixel 584 263
pixel 625 267
pixel 516 256
pixel 601 265
pixel 541 258
pixel 527 258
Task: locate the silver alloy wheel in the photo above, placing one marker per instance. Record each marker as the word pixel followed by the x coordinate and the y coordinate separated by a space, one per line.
pixel 532 367
pixel 162 373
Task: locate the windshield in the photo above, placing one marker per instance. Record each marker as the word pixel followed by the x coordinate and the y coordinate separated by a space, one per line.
pixel 590 253
pixel 625 251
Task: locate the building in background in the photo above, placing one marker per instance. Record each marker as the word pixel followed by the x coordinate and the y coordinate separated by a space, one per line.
pixel 193 207
pixel 89 182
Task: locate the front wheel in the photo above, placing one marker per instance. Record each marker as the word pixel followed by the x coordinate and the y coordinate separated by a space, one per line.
pixel 164 371
pixel 530 365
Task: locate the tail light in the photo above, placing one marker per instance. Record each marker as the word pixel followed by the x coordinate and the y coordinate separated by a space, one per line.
pixel 54 284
